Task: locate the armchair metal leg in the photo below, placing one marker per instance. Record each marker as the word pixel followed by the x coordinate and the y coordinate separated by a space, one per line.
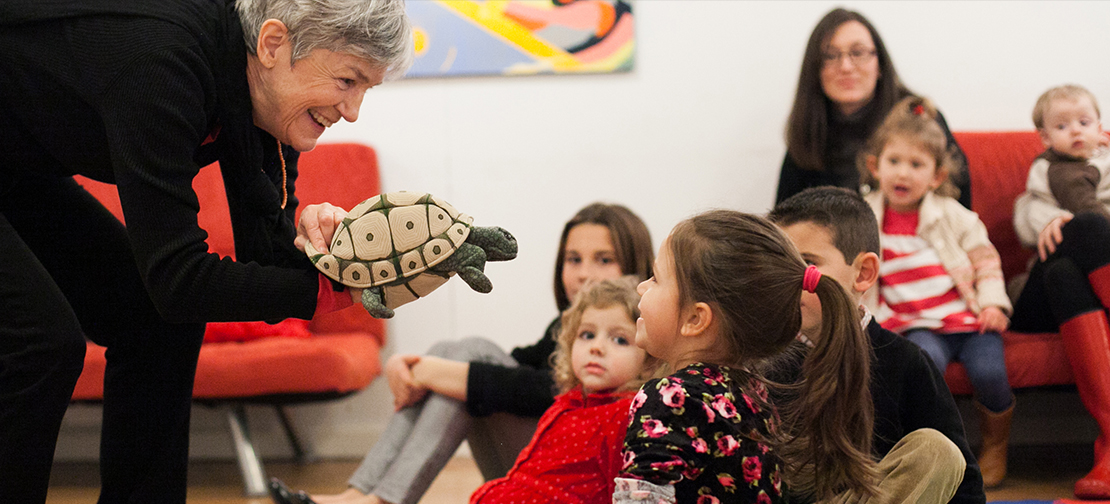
pixel 302 453
pixel 254 478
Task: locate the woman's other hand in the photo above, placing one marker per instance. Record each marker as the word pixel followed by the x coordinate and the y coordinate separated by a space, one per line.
pixel 991 319
pixel 1051 236
pixel 317 224
pixel 398 370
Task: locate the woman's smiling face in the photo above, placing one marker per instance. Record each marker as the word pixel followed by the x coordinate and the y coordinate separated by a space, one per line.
pixel 296 102
pixel 850 84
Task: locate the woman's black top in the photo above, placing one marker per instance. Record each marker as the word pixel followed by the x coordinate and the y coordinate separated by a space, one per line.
pixel 847 136
pixel 144 94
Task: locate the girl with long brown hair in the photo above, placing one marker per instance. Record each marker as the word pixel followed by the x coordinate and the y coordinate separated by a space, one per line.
pixel 724 299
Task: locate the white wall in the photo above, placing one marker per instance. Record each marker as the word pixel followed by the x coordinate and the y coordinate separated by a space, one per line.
pixel 698 123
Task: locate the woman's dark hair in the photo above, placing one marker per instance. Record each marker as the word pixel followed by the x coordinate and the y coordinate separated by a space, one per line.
pixel 807 127
pixel 631 243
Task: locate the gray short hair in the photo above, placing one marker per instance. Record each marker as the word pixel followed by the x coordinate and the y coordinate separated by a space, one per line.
pixel 377 30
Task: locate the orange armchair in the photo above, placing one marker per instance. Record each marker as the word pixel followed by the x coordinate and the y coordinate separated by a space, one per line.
pixel 291 362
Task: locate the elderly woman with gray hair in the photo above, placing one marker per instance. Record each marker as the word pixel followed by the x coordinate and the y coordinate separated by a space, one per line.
pixel 143 94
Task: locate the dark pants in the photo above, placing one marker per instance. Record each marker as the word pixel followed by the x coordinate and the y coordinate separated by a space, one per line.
pixel 67 271
pixel 982 357
pixel 1058 288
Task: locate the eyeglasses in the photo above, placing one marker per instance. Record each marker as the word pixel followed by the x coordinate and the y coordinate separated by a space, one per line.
pixel 857 56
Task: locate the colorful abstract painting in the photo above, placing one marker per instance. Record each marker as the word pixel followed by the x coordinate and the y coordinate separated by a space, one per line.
pixel 521 37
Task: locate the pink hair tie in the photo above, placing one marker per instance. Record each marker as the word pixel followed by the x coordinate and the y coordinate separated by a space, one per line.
pixel 811 278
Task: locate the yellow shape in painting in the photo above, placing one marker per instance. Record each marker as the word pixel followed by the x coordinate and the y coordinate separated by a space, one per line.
pixel 420 39
pixel 489 15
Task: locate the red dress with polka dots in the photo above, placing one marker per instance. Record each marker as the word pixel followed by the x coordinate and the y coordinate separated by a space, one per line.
pixel 573 457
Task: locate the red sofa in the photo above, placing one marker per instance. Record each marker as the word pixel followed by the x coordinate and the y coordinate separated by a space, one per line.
pixel 999 164
pixel 294 361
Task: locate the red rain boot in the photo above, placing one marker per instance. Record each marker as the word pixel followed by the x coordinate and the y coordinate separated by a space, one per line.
pixel 1087 343
pixel 1100 283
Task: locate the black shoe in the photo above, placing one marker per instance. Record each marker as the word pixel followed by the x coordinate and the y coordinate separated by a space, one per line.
pixel 305 499
pixel 281 494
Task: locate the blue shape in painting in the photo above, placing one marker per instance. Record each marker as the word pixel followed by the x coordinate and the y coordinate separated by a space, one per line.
pixel 470 49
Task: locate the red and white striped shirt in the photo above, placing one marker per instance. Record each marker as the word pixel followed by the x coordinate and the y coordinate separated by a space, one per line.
pixel 915 291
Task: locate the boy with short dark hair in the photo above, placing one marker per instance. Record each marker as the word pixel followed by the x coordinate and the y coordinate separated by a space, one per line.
pixel 835 230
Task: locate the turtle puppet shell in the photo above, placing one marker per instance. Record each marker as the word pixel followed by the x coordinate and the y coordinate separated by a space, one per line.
pixel 392 238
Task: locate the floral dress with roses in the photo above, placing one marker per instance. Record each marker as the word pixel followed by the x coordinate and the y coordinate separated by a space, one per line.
pixel 698 437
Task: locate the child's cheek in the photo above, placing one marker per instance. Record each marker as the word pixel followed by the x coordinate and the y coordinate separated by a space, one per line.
pixel 641 333
pixel 811 314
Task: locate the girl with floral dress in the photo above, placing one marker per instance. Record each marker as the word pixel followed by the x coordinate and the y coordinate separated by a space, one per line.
pixel 576 451
pixel 725 298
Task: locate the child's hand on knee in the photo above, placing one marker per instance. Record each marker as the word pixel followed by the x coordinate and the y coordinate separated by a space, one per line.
pixel 398 371
pixel 991 319
pixel 1051 236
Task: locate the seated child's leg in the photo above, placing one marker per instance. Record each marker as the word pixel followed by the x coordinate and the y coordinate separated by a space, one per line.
pixel 438 431
pixel 496 440
pixel 986 369
pixel 982 356
pixel 421 439
pixel 473 349
pixel 924 467
pixel 934 345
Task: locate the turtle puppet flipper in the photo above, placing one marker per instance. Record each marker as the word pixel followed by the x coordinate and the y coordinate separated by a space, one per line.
pixel 469 261
pixel 373 302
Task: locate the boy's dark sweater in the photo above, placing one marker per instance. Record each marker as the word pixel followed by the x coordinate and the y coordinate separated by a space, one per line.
pixel 908 394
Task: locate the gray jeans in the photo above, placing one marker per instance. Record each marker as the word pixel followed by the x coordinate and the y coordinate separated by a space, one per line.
pixel 421 438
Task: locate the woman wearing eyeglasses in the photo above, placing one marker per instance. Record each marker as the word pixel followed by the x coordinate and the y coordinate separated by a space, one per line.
pixel 847 86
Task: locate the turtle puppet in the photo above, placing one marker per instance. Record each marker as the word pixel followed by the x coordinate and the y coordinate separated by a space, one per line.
pixel 400 246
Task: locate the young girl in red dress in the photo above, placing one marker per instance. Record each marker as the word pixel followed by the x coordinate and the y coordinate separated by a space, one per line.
pixel 575 454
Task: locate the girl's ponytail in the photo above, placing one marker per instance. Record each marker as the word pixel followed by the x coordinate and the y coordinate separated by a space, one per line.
pixel 834 407
pixel 915 107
